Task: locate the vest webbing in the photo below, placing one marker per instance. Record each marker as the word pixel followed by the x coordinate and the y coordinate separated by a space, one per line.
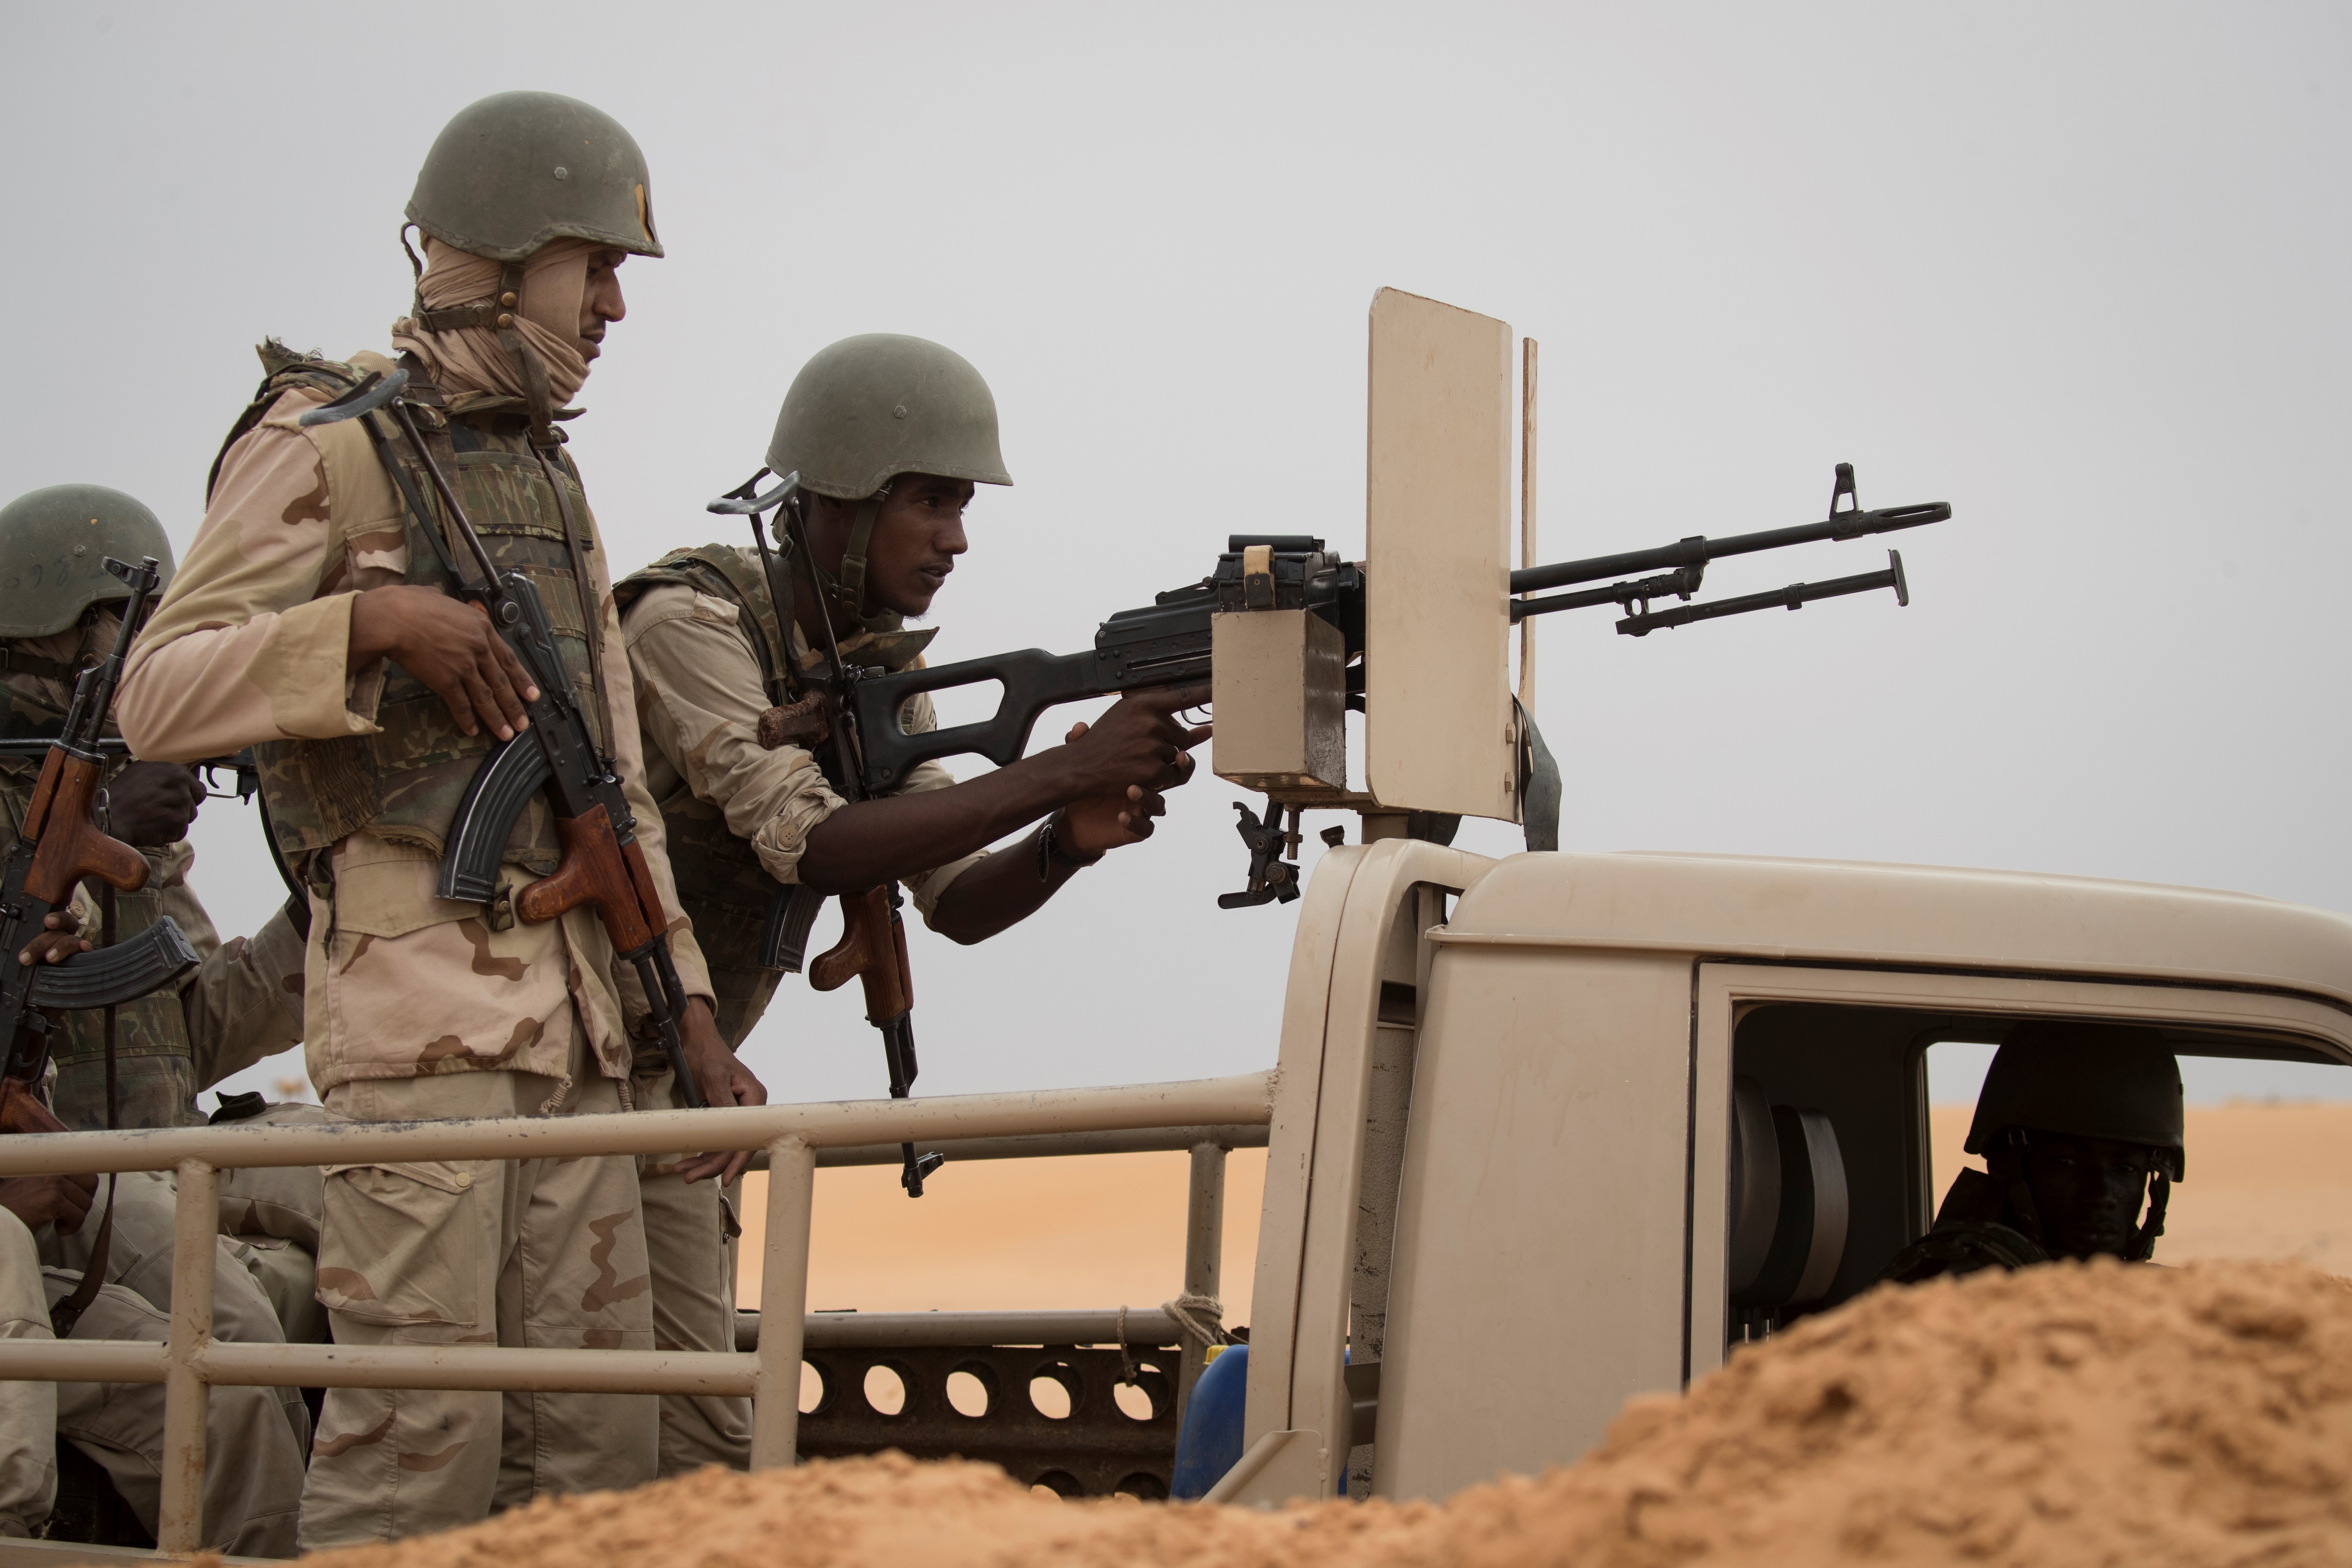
pixel 404 782
pixel 720 881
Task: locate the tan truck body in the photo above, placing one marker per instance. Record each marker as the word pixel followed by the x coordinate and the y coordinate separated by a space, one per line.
pixel 1501 1149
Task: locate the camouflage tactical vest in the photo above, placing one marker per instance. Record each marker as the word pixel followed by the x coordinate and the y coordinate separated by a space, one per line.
pixel 405 782
pixel 155 1073
pixel 720 881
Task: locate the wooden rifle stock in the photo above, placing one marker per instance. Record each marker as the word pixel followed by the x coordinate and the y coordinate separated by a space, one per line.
pixel 21 1110
pixel 596 870
pixel 70 846
pixel 873 947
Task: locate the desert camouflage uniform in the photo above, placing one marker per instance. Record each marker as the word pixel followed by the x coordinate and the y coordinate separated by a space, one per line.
pixel 740 816
pixel 237 1008
pixel 419 1006
pixel 242 1004
pixel 28 1411
pixel 251 1494
pixel 739 819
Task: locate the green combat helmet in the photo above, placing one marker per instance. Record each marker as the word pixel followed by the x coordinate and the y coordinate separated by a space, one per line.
pixel 2082 1080
pixel 51 544
pixel 518 169
pixel 870 407
pixel 2070 1080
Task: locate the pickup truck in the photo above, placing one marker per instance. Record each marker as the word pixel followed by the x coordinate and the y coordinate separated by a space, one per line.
pixel 1551 1131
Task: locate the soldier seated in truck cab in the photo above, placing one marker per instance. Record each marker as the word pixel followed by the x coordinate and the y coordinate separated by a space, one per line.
pixel 2080 1128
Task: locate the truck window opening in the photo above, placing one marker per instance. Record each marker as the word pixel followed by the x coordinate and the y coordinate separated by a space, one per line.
pixel 1847 1122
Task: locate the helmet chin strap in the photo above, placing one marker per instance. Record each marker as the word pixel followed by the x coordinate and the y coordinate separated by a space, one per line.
pixel 2159 1195
pixel 499 314
pixel 847 591
pixel 2139 1249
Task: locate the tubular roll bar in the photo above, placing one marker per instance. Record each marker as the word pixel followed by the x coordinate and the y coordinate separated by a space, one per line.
pixel 1202 1115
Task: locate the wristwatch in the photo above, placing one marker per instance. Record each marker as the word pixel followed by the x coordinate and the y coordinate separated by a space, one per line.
pixel 1050 853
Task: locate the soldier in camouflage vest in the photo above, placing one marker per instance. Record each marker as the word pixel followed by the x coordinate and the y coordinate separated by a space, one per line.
pixel 57 616
pixel 316 619
pixel 889 434
pixel 243 1002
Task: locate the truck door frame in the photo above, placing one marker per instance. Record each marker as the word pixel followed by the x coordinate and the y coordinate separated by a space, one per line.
pixel 1724 991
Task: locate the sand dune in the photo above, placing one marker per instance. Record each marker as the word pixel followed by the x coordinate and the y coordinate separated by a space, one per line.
pixel 2042 1419
pixel 2264 1180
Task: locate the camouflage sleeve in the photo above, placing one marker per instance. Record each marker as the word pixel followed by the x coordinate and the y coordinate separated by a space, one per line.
pixel 245 1003
pixel 699 699
pixel 251 642
pixel 629 756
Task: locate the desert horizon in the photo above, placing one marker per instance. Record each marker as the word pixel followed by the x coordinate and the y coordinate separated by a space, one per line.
pixel 2265 1180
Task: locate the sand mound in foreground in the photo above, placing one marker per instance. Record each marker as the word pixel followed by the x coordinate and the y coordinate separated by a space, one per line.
pixel 2062 1416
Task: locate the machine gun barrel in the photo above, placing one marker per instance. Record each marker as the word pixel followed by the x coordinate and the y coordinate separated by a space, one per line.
pixel 1795 596
pixel 1682 581
pixel 1699 549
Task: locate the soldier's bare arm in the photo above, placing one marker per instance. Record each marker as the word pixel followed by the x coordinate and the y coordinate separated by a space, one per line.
pixel 1002 891
pixel 1139 744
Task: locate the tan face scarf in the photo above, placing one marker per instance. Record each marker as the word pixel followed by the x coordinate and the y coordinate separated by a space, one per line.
pixel 471 359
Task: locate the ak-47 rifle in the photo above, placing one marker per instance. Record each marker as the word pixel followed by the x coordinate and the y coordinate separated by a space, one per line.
pixel 1166 642
pixel 603 864
pixel 873 945
pixel 58 845
pixel 246 773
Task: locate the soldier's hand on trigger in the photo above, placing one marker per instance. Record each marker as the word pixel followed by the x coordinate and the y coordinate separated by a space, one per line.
pixel 149 805
pixel 61 1201
pixel 450 646
pixel 1139 744
pixel 1102 823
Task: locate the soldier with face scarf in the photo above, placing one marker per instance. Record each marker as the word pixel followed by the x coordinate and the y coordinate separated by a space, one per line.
pixel 315 619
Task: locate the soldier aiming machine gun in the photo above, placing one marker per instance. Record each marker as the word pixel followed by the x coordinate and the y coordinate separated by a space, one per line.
pixel 1169 642
pixel 866 750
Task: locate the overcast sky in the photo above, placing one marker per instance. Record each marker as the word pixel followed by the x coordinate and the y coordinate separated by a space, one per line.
pixel 2077 269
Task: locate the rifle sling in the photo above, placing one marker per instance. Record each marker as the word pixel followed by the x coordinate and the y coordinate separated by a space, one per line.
pixel 15 662
pixel 592 608
pixel 67 1312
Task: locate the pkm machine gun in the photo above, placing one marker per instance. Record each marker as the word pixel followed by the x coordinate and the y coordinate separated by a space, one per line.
pixel 1175 639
